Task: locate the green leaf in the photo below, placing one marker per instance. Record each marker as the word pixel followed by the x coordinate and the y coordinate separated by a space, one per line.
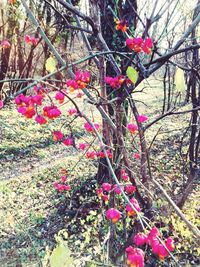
pixel 179 80
pixel 132 74
pixel 50 64
pixel 61 256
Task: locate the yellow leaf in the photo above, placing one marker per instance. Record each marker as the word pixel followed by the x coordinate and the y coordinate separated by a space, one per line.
pixel 180 80
pixel 61 255
pixel 132 74
pixel 50 64
pixel 10 219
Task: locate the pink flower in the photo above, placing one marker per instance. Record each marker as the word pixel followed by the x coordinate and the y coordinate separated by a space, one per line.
pixel 132 128
pixel 90 154
pixel 140 239
pixel 135 204
pixel 117 189
pixel 130 189
pixel 35 41
pixel 89 127
pixel 130 250
pixel 72 111
pixel 37 99
pixel 1 104
pixel 153 234
pixel 29 111
pixel 135 257
pixel 27 39
pixel 170 244
pixel 56 185
pixel 82 146
pixel 21 110
pixel 109 153
pixel 99 192
pixel 106 187
pixel 113 215
pixel 64 178
pixel 136 155
pixel 105 198
pixel 68 141
pixel 82 76
pixel 138 44
pixel 79 95
pixel 100 154
pixel 60 97
pixel 115 82
pixel 5 44
pixel 154 244
pixel 161 252
pixel 135 44
pixel 51 112
pixel 40 119
pixel 72 85
pixel 142 118
pixel 57 135
pixel 66 187
pixel 61 187
pixel 147 45
pixel 124 175
pixel 31 40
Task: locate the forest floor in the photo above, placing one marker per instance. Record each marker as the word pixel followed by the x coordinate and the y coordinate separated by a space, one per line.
pixel 32 212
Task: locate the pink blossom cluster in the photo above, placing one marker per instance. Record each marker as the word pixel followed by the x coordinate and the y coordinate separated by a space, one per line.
pixel 80 81
pixel 59 136
pixel 113 215
pixel 31 40
pixel 135 204
pixel 135 257
pixel 152 240
pixel 138 44
pixel 62 186
pixel 5 44
pixel 106 188
pixel 89 128
pixel 115 82
pixel 98 154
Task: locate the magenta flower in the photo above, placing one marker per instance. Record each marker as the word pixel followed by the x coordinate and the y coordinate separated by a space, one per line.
pixel 5 44
pixel 60 97
pixel 130 189
pixel 115 82
pixel 135 257
pixel 57 135
pixel 135 204
pixel 140 239
pixel 88 127
pixel 136 155
pixel 170 244
pixel 37 99
pixel 117 189
pixel 83 146
pixel 68 141
pixel 72 111
pixel 64 178
pixel 132 128
pixel 106 187
pixel 51 112
pixel 142 118
pixel 90 154
pixel 113 215
pixel 1 104
pixel 40 119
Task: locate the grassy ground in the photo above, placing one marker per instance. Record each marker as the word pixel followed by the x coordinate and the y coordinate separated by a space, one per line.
pixel 32 212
